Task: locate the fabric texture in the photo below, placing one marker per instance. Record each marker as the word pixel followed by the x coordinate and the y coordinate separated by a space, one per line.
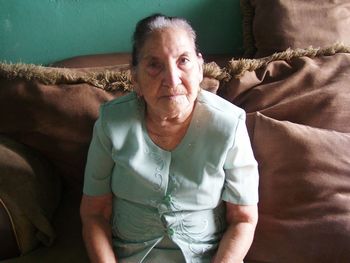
pixel 275 25
pixel 174 193
pixel 304 193
pixel 30 190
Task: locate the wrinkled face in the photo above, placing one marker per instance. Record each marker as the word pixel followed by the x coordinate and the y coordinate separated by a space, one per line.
pixel 169 72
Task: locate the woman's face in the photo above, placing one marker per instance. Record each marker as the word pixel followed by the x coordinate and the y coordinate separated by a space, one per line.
pixel 169 72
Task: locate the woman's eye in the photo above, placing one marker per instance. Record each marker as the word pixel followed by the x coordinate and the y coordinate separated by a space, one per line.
pixel 184 61
pixel 154 67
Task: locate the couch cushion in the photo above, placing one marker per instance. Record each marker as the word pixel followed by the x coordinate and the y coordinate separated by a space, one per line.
pixel 309 86
pixel 9 246
pixel 304 192
pixel 275 25
pixel 68 246
pixel 30 192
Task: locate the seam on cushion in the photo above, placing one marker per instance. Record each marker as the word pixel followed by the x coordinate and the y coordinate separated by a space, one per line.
pixel 12 224
pixel 248 13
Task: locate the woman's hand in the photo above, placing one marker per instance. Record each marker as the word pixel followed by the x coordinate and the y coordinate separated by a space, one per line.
pixel 239 234
pixel 95 212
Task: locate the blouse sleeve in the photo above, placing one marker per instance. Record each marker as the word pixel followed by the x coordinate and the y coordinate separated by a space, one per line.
pixel 241 170
pixel 99 165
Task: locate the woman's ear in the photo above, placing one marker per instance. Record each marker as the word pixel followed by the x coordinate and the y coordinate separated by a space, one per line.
pixel 200 57
pixel 200 65
pixel 133 75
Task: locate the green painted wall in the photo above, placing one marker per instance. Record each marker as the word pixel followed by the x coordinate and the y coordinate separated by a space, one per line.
pixel 44 31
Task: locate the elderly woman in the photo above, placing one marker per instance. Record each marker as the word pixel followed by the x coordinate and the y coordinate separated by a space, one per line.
pixel 170 175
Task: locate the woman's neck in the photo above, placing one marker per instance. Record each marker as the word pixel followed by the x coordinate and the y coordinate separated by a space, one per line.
pixel 168 131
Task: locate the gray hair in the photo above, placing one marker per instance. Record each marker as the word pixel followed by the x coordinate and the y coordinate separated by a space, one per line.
pixel 155 22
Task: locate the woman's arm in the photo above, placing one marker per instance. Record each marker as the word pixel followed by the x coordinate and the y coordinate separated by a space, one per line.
pixel 95 212
pixel 239 234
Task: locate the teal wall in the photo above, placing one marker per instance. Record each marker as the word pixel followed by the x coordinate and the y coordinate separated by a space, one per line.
pixel 44 31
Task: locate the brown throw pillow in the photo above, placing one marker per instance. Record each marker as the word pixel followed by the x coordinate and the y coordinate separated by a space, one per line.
pixel 275 25
pixel 29 192
pixel 308 87
pixel 304 193
pixel 53 110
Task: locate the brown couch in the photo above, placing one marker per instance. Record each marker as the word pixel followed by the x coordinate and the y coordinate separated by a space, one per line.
pixel 298 107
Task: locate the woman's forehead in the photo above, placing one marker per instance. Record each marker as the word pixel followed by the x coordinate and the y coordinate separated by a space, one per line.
pixel 172 41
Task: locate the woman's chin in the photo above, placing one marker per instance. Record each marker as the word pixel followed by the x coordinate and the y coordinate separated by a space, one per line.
pixel 175 111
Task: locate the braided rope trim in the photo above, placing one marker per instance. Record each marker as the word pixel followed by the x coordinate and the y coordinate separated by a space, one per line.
pixel 236 68
pixel 108 79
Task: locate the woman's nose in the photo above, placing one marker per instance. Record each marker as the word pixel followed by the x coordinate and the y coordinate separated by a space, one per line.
pixel 172 76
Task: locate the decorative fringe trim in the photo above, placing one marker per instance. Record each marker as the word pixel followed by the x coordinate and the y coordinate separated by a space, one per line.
pixel 236 68
pixel 106 79
pixel 212 70
pixel 248 13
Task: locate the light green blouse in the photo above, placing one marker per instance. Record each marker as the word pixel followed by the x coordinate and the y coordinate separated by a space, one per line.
pixel 171 201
